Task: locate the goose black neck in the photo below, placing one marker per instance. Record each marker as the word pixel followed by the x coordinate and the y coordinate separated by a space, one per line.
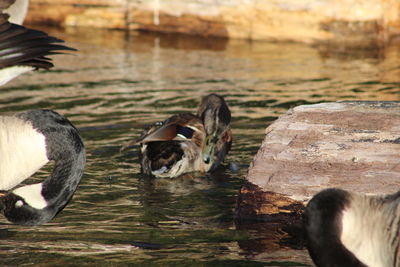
pixel 59 187
pixel 65 146
pixel 323 226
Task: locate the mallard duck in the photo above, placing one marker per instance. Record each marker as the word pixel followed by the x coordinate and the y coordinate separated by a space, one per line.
pixel 185 142
pixel 348 229
pixel 27 142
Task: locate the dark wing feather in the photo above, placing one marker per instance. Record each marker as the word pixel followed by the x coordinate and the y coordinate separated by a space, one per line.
pixel 26 47
pixel 38 63
pixel 31 36
pixel 9 30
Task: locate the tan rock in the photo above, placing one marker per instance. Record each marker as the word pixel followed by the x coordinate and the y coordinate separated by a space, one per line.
pixel 351 21
pixel 350 145
pixel 104 17
pixel 186 23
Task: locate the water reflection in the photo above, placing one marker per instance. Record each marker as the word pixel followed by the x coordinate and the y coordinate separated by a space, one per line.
pixel 119 82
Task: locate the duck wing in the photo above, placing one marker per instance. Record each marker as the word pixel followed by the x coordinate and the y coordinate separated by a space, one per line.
pixel 170 129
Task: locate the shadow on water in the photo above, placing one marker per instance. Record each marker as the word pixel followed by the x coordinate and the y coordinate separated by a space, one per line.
pixel 118 83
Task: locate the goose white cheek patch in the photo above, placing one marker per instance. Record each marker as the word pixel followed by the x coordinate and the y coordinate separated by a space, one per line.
pixel 32 194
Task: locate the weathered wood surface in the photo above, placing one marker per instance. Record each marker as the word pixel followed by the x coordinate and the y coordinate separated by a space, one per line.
pixel 352 21
pixel 350 145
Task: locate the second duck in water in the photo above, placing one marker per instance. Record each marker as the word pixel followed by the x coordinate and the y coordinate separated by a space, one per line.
pixel 185 142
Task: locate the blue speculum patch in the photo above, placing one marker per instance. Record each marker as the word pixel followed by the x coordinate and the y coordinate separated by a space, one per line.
pixel 185 131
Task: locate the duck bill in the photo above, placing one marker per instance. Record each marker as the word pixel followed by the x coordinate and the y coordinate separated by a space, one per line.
pixel 208 150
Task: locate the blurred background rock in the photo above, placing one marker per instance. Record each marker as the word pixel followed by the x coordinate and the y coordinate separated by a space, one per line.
pixel 310 21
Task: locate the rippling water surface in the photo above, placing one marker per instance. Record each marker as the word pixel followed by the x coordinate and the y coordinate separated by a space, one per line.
pixel 118 83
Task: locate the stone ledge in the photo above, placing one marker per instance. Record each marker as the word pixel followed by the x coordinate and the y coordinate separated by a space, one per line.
pixel 350 145
pixel 353 22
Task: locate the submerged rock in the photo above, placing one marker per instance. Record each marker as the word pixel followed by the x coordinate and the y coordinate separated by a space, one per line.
pixel 350 145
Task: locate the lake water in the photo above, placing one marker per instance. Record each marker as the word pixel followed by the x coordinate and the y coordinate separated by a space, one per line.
pixel 119 82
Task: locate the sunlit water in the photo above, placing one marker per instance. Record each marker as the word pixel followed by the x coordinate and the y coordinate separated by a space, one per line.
pixel 119 82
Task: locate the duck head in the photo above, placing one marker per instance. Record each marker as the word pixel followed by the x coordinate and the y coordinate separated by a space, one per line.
pixel 216 116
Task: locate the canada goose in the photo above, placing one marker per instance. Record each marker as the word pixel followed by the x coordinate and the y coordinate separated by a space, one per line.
pixel 27 142
pixel 185 142
pixel 348 229
pixel 23 49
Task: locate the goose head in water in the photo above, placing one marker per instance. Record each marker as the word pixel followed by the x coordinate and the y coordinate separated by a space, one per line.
pixel 27 142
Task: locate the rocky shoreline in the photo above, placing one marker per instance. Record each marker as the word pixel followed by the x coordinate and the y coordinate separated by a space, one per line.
pixel 313 21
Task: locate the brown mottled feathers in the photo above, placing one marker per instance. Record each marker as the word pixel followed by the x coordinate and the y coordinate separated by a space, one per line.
pixel 164 154
pixel 185 142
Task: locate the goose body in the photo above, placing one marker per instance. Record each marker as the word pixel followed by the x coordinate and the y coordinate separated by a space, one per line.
pixel 23 49
pixel 27 142
pixel 185 142
pixel 29 151
pixel 347 229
